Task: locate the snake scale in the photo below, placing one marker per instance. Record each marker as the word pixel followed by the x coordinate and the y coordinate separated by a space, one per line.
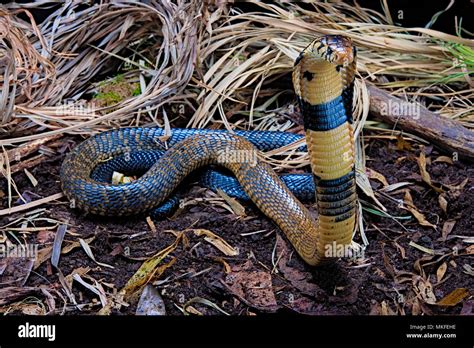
pixel 323 78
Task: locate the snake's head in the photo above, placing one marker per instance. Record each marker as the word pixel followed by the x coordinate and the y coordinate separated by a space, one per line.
pixel 336 49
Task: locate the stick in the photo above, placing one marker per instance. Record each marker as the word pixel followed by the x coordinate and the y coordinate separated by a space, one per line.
pixel 445 133
pixel 24 150
pixel 30 205
pixel 26 164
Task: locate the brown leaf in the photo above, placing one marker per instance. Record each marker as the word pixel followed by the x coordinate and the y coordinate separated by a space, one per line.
pixel 441 271
pixel 425 290
pixel 459 187
pixel 237 208
pixel 443 203
pixel 445 159
pixel 151 224
pixel 254 288
pixel 45 236
pixel 372 174
pixel 456 190
pixel 454 297
pixel 410 206
pixel 402 144
pixel 216 241
pixel 447 228
pixel 385 309
pixel 422 248
pixel 299 279
pixel 470 250
pixel 424 173
pixel 227 268
pixel 401 249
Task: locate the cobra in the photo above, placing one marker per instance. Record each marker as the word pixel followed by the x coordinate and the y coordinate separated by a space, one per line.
pixel 323 79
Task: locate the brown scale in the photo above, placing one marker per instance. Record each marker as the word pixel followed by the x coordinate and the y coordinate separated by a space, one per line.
pixel 331 153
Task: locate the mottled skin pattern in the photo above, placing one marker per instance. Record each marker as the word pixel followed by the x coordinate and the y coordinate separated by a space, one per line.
pixel 322 82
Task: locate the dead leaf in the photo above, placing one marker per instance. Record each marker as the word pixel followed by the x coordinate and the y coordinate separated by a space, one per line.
pixel 375 309
pixel 151 224
pixel 443 203
pixel 402 144
pixel 445 159
pixel 415 309
pixel 227 268
pixel 96 288
pixel 45 253
pixel 468 269
pixel 470 250
pixel 441 271
pixel 71 246
pixel 454 297
pixel 29 309
pixel 89 253
pixel 254 288
pixel 45 236
pixel 421 248
pixel 150 302
pixel 387 263
pixel 299 279
pixel 385 309
pixel 237 208
pixel 401 249
pixel 447 228
pixel 188 309
pixel 424 173
pixel 80 270
pixel 372 174
pixel 425 290
pixel 148 269
pixel 58 241
pixel 32 179
pixel 119 179
pixel 217 241
pixel 410 206
pixel 456 190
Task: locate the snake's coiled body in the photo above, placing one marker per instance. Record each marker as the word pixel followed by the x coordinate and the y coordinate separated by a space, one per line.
pixel 322 77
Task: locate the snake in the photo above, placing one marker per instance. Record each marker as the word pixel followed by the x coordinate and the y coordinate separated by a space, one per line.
pixel 323 79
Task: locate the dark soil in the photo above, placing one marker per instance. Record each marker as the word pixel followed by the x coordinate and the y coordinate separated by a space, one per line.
pixel 388 280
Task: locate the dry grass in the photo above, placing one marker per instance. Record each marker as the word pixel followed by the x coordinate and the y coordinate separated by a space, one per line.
pixel 220 65
pixel 217 61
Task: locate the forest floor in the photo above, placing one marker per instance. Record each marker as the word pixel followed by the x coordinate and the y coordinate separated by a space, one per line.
pixel 406 268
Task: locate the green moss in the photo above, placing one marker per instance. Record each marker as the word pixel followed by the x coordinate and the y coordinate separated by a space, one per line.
pixel 137 91
pixel 109 97
pixel 118 79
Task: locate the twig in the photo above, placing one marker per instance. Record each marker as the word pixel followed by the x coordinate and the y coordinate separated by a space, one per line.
pixel 30 205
